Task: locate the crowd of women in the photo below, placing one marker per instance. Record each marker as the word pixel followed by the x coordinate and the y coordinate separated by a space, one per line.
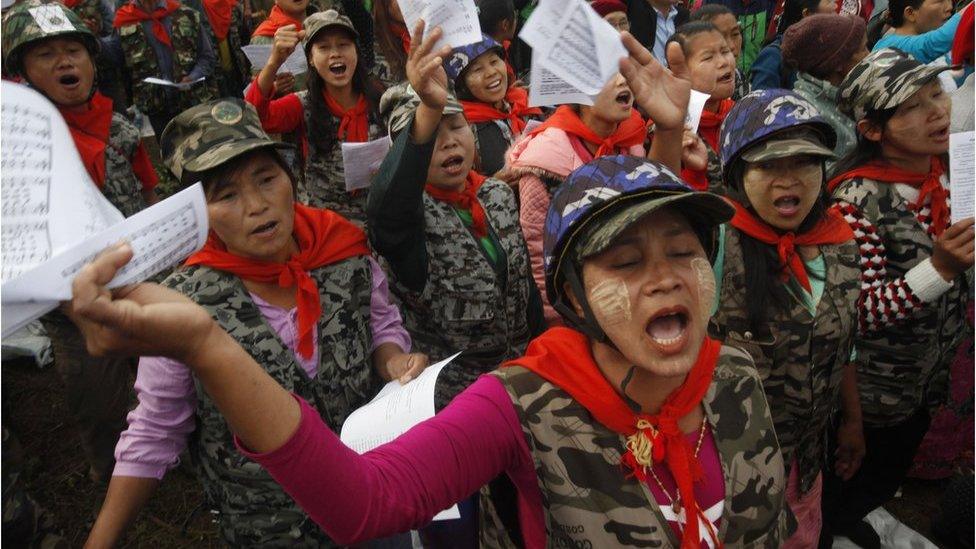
pixel 734 335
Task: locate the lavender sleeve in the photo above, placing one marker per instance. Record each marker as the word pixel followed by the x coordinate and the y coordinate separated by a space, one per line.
pixel 385 322
pixel 161 423
pixel 401 485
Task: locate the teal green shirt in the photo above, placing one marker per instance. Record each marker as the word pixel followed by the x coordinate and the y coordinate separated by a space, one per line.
pixel 486 242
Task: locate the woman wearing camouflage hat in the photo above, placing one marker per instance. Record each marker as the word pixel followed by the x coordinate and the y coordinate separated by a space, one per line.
pixel 894 192
pixel 788 282
pixel 53 51
pixel 297 288
pixel 632 428
pixel 494 106
pixel 338 107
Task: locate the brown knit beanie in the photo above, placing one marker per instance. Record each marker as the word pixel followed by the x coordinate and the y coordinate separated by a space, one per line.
pixel 819 43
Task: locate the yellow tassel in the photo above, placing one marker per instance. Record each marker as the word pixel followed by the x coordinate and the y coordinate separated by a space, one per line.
pixel 640 445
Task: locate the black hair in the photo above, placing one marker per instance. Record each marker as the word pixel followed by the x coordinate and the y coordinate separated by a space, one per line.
pixel 710 12
pixel 792 13
pixel 322 135
pixel 684 33
pixel 362 20
pixel 492 13
pixel 217 178
pixel 387 41
pixel 896 10
pixel 866 149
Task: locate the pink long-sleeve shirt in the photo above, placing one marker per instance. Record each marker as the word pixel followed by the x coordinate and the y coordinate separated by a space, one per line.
pixel 401 485
pixel 164 419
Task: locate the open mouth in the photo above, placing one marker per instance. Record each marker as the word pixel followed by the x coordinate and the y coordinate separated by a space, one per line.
pixel 494 86
pixel 69 80
pixel 265 229
pixel 338 68
pixel 623 98
pixel 941 134
pixel 727 78
pixel 668 329
pixel 787 206
pixel 452 165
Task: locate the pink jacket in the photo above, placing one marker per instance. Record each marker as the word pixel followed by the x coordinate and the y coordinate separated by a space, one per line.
pixel 549 155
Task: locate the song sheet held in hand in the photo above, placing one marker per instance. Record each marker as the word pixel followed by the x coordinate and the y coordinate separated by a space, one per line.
pixel 458 19
pixel 171 84
pixel 962 163
pixel 55 218
pixel 361 161
pixel 394 410
pixel 258 55
pixel 574 43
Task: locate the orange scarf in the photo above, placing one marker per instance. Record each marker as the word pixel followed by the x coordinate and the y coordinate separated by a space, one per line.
pixel 133 13
pixel 90 132
pixel 711 122
pixel 324 237
pixel 277 18
pixel 831 230
pixel 928 184
pixel 219 14
pixel 518 108
pixel 563 357
pixel 629 133
pixel 465 200
pixel 353 123
pixel 401 31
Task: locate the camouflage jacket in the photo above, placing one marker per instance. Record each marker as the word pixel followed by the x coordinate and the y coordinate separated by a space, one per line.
pixel 91 10
pixel 466 304
pixel 122 188
pixel 324 184
pixel 382 69
pixel 141 63
pixel 904 366
pixel 799 357
pixel 823 95
pixel 251 509
pixel 590 501
pixel 230 83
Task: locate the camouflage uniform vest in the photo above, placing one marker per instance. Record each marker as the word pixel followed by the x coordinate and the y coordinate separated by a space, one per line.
pixel 801 359
pixel 590 502
pixel 141 62
pixel 905 366
pixel 122 188
pixel 251 509
pixel 466 305
pixel 90 10
pixel 324 184
pixel 231 83
pixel 382 69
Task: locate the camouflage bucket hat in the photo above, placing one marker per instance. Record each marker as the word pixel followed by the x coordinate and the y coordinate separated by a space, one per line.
pixel 211 134
pixel 318 22
pixel 463 56
pixel 400 102
pixel 32 21
pixel 883 80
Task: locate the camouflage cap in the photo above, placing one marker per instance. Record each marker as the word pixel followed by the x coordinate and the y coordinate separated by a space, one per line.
pixel 399 102
pixel 211 134
pixel 808 143
pixel 463 56
pixel 317 22
pixel 35 20
pixel 883 80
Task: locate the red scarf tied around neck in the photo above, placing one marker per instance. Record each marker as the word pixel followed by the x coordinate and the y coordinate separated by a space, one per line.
pixel 518 108
pixel 831 230
pixel 353 122
pixel 219 13
pixel 132 13
pixel 324 237
pixel 90 131
pixel 563 357
pixel 277 18
pixel 629 133
pixel 466 199
pixel 929 186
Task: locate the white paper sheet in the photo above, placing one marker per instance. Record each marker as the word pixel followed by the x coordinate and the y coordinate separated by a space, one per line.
pixel 171 84
pixel 696 104
pixel 361 161
pixel 258 55
pixel 962 186
pixel 531 125
pixel 393 412
pixel 574 43
pixel 893 533
pixel 458 19
pixel 547 89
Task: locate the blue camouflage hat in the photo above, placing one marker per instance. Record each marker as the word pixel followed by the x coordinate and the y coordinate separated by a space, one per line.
pixel 601 199
pixel 463 56
pixel 762 114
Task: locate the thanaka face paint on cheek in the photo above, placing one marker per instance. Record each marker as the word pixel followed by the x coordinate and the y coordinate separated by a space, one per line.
pixel 610 301
pixel 705 277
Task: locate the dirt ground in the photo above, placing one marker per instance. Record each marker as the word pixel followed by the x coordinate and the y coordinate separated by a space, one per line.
pixel 56 474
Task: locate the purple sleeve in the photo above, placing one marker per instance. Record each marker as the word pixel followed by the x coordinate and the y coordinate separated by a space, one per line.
pixel 385 321
pixel 160 425
pixel 401 485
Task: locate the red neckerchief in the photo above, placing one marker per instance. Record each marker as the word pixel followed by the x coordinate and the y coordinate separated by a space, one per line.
pixel 90 132
pixel 133 13
pixel 466 199
pixel 711 122
pixel 629 133
pixel 324 237
pixel 518 108
pixel 219 13
pixel 833 229
pixel 277 18
pixel 563 357
pixel 353 122
pixel 929 185
pixel 401 31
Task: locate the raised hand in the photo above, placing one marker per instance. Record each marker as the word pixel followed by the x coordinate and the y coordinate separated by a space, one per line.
pixel 286 39
pixel 425 69
pixel 694 154
pixel 952 252
pixel 661 92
